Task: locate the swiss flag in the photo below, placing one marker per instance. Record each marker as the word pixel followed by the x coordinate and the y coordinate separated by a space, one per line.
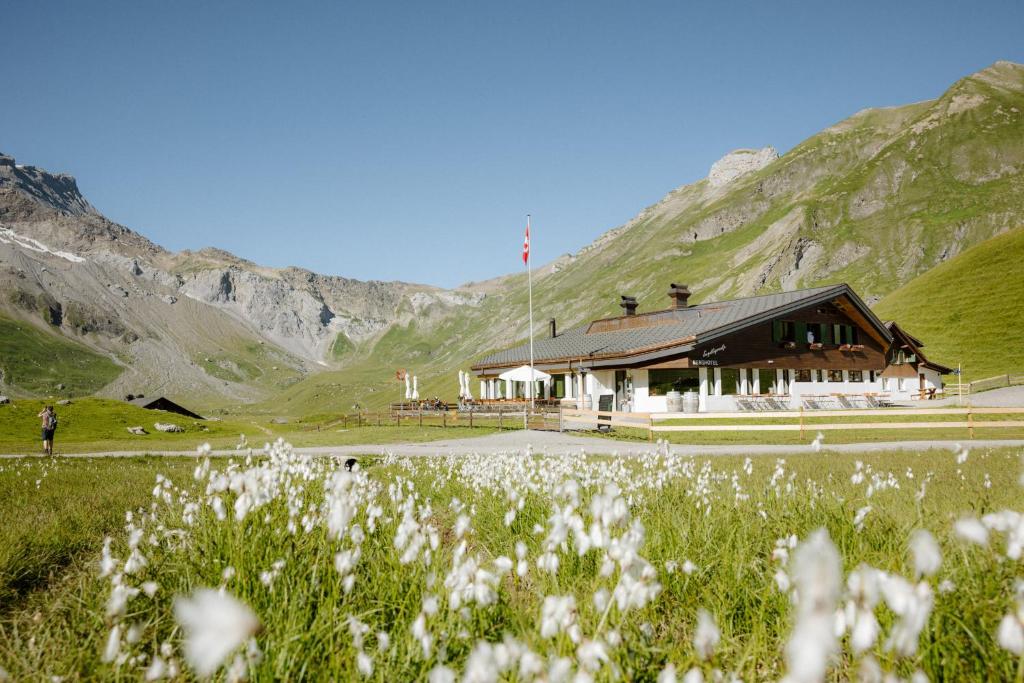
pixel 526 244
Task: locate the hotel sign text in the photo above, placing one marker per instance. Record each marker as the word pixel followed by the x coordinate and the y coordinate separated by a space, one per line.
pixel 708 357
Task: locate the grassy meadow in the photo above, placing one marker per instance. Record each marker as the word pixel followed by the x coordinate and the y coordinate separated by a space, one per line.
pixel 966 299
pixel 91 425
pixel 36 362
pixel 498 567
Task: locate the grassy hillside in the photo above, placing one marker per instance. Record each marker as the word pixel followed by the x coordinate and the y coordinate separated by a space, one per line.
pixel 968 310
pixel 36 362
pixel 875 200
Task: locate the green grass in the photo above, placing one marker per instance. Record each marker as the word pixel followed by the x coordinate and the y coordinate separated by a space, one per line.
pixel 967 310
pixel 35 362
pixel 63 509
pixel 838 436
pixel 707 511
pixel 92 425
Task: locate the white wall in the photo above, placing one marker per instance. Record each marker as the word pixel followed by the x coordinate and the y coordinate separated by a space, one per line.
pixel 601 382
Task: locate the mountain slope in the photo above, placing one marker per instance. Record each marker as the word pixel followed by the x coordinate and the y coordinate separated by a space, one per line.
pixel 968 310
pixel 875 200
pixel 204 325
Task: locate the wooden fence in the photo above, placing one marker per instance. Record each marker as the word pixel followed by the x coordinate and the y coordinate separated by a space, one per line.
pixel 996 382
pixel 592 419
pixel 497 416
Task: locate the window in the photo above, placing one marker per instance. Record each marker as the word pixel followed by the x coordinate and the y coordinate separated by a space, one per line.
pixel 730 381
pixel 803 376
pixel 815 335
pixel 835 375
pixel 902 383
pixel 784 331
pixel 844 334
pixel 660 382
pixel 766 381
pixel 856 375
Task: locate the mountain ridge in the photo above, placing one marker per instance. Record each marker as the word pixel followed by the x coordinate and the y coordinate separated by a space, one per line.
pixel 876 200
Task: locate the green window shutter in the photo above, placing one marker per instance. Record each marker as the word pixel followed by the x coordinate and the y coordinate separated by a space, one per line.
pixel 776 330
pixel 801 333
pixel 826 334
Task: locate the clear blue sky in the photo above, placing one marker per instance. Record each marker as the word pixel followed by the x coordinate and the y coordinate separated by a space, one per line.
pixel 408 140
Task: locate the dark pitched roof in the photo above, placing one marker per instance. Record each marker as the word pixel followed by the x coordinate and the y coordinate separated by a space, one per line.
pixel 915 345
pixel 163 403
pixel 668 331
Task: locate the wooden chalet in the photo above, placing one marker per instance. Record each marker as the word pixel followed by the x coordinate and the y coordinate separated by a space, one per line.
pixel 820 347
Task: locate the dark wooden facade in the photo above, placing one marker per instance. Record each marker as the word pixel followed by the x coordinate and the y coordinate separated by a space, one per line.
pixel 754 346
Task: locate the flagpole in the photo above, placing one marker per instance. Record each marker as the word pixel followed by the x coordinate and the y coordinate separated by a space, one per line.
pixel 529 280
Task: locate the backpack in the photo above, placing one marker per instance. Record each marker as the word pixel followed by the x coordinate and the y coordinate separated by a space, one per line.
pixel 51 421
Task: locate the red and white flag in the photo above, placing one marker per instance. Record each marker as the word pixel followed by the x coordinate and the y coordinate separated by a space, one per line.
pixel 526 244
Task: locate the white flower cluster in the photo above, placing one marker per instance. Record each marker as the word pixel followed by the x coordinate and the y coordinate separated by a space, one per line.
pixel 583 512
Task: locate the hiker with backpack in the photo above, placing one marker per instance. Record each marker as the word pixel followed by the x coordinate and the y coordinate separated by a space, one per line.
pixel 49 425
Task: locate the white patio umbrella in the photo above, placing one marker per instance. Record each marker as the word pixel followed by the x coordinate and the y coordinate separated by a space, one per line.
pixel 524 373
pixel 462 384
pixel 469 391
pixel 415 389
pixel 408 389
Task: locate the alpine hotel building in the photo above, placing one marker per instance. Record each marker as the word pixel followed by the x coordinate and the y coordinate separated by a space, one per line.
pixel 795 348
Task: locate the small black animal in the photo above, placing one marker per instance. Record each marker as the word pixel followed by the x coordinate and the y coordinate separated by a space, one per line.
pixel 350 463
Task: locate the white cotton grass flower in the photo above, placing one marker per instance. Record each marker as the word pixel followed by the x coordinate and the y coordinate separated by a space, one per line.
pixel 925 551
pixel 215 624
pixel 668 674
pixel 971 530
pixel 860 516
pixel 1011 633
pixel 694 675
pixel 707 635
pixel 113 647
pixel 913 605
pixel 592 655
pixel 558 615
pixel 364 664
pixel 863 589
pixel 817 572
pixel 819 439
pixel 441 674
pixel 157 669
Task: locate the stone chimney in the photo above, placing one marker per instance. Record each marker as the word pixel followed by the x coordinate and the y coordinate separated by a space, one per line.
pixel 680 295
pixel 628 304
pixel 552 328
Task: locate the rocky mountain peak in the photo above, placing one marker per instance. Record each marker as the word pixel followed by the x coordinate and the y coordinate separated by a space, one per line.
pixel 58 191
pixel 740 162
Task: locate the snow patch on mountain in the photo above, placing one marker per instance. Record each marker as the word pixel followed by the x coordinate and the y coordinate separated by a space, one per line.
pixel 8 236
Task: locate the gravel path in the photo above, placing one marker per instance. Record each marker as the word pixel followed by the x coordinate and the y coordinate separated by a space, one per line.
pixel 557 443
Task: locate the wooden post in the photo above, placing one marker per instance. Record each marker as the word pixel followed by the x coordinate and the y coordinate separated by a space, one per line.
pixel 444 418
pixel 499 418
pixel 360 417
pixel 561 424
pixel 470 418
pixel 421 417
pixel 650 428
pixel 970 422
pixel 802 434
pixel 345 421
